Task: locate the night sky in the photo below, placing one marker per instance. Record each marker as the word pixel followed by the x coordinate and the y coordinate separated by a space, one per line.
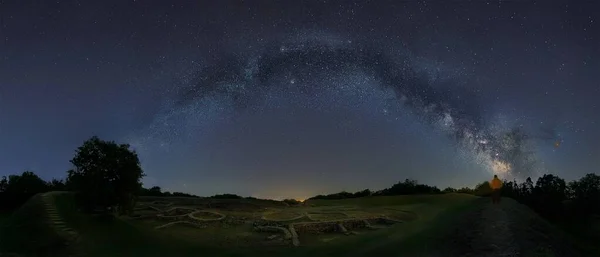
pixel 289 99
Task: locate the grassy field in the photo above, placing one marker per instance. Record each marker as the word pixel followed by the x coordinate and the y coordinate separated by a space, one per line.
pixel 424 215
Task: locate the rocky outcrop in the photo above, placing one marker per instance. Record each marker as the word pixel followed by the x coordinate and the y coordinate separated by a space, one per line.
pixel 341 228
pixel 316 227
pixel 295 240
pixel 352 224
pixel 368 225
pixel 268 223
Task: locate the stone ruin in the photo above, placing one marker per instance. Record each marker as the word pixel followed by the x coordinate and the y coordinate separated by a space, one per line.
pixel 344 226
pixel 285 230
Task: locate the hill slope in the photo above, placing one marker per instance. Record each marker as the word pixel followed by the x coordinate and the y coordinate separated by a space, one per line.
pixel 508 229
pixel 449 225
pixel 27 232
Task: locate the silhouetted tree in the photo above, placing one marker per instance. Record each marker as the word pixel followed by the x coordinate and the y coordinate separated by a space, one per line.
pixel 586 194
pixel 548 195
pixel 449 190
pixel 362 193
pixel 56 185
pixel 154 191
pixel 526 189
pixel 409 187
pixel 292 202
pixel 465 190
pixel 3 184
pixel 483 189
pixel 180 194
pixel 226 196
pixel 107 175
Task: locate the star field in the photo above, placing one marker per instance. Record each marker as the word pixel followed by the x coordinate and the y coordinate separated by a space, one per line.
pixel 282 99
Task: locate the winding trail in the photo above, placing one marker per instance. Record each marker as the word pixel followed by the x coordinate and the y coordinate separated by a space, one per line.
pixel 505 229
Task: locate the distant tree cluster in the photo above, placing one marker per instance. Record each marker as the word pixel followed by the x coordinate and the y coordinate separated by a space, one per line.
pixel 226 196
pixel 406 187
pixel 16 189
pixel 107 176
pixel 409 187
pixel 550 196
pixel 291 202
pixel 157 191
pixel 556 199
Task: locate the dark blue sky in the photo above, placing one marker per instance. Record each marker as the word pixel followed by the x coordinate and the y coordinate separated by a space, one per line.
pixel 280 99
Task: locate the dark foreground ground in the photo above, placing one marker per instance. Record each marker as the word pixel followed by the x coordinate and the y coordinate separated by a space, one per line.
pixel 470 227
pixel 482 229
pixel 508 229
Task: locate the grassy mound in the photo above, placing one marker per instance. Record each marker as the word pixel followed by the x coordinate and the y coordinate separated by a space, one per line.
pixel 27 232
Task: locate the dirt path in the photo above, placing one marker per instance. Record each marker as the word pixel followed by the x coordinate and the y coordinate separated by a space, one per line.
pixel 505 229
pixel 493 235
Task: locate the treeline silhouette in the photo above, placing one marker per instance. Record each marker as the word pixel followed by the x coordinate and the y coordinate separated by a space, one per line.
pixel 406 187
pixel 17 189
pixel 157 191
pixel 550 196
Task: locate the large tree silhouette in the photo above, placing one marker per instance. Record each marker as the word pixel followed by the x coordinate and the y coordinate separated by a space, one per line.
pixel 106 175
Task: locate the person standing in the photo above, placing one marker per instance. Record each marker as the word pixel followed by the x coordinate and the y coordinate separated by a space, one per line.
pixel 496 185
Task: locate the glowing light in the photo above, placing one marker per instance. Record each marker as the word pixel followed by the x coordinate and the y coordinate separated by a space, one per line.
pixel 500 167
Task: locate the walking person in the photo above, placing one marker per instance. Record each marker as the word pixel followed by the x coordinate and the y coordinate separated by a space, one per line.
pixel 496 185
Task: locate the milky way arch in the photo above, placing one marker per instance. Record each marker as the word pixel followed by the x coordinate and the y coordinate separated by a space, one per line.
pixel 452 109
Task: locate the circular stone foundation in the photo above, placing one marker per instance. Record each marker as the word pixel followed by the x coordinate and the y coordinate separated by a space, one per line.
pixel 175 213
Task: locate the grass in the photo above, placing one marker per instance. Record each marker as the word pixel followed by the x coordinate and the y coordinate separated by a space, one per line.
pixel 138 238
pixel 436 213
pixel 27 233
pixel 283 215
pixel 120 238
